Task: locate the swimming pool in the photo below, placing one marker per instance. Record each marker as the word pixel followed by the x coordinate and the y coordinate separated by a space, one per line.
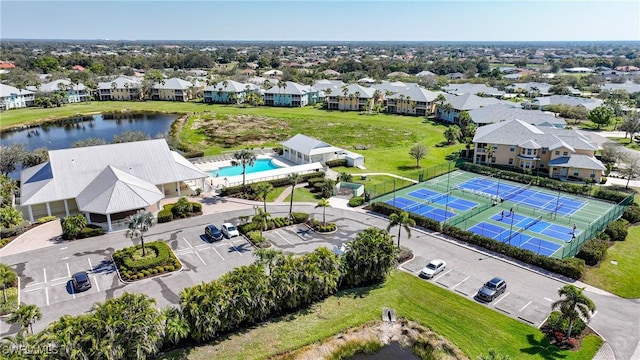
pixel 258 166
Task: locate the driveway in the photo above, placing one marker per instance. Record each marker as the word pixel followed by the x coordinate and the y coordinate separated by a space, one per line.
pixel 528 296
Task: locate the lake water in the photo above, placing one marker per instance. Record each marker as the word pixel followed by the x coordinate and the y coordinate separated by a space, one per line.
pixel 392 351
pixel 104 126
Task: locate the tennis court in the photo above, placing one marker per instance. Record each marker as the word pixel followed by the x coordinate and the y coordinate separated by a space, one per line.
pixel 524 195
pixel 441 199
pixel 514 238
pixel 422 209
pixel 537 225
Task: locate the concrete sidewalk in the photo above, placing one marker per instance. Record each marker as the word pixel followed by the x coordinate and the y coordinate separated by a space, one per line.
pixel 41 236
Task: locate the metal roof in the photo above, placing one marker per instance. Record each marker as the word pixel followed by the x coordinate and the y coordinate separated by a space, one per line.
pixel 309 146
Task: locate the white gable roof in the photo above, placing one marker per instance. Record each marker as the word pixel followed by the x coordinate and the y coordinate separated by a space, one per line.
pixel 69 171
pixel 309 146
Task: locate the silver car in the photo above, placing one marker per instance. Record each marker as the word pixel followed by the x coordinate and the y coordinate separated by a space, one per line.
pixel 433 268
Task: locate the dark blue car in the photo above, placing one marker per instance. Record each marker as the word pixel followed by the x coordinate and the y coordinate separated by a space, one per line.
pixel 213 233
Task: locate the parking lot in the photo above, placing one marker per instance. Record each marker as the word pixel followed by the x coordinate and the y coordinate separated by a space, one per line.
pixel 530 309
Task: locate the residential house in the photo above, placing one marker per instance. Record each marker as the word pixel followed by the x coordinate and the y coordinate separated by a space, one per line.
pixel 628 86
pixel 475 89
pixel 543 102
pixel 290 94
pixel 272 73
pixel 75 93
pixel 122 88
pixel 505 112
pixel 561 153
pixel 454 105
pixel 175 89
pixel 228 92
pixel 106 183
pixel 354 97
pixel 529 89
pixel 13 98
pixel 411 100
pixel 425 73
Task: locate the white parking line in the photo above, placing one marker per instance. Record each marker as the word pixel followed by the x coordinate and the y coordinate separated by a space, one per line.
pixel 46 293
pixel 185 240
pixel 34 284
pixel 194 251
pixel 90 265
pixel 63 248
pixel 72 290
pixel 32 289
pixel 65 258
pixel 45 275
pixel 594 314
pixel 95 280
pixel 443 274
pixel 505 295
pixel 282 237
pixel 524 307
pixel 214 249
pixel 58 279
pixel 295 231
pixel 465 279
pixel 236 249
pixel 548 299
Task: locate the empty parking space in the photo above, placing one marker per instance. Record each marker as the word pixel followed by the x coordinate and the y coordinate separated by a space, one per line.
pixel 196 252
pixel 415 265
pixel 469 287
pixel 534 314
pixel 452 278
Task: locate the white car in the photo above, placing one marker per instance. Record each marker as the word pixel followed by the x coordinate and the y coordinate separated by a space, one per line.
pixel 433 268
pixel 229 230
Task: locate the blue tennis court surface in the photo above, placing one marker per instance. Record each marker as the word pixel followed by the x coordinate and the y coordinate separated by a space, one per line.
pixel 441 199
pixel 538 226
pixel 424 209
pixel 524 195
pixel 523 241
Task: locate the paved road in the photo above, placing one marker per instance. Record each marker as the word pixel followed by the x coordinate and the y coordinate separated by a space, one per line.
pixel 44 273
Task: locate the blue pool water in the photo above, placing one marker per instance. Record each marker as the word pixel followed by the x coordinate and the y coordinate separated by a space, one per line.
pixel 259 165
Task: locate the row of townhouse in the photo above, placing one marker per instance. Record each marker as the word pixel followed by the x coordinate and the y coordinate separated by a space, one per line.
pixel 127 88
pixel 14 98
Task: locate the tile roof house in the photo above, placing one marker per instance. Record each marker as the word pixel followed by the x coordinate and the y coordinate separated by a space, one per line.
pixel 562 153
pixel 106 182
pixel 13 98
pixel 175 89
pixel 504 112
pixel 122 88
pixel 290 95
pixel 454 105
pixel 229 92
pixel 353 97
pixel 75 92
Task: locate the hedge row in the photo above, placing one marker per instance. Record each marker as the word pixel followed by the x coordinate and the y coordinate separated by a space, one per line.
pixel 318 226
pixel 356 201
pixel 542 181
pixel 91 230
pixel 593 251
pixel 632 214
pixel 231 190
pixel 257 239
pixel 573 268
pixel 274 223
pixel 421 221
pixel 165 261
pixel 14 230
pixel 168 212
pixel 46 219
pixel 617 230
pixel 336 163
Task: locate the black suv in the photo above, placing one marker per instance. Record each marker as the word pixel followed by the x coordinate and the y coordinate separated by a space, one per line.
pixel 213 233
pixel 80 281
pixel 492 289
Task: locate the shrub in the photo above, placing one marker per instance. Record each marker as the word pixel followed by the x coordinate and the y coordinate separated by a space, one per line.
pixel 557 323
pixel 194 154
pixel 632 214
pixel 14 230
pixel 164 256
pixel 315 180
pixel 257 239
pixel 91 230
pixel 165 216
pixel 603 180
pixel 421 221
pixel 233 190
pixel 336 162
pixel 356 201
pixel 593 251
pixel 182 208
pixel 248 227
pixel 46 219
pixel 72 226
pixel 617 230
pixel 196 208
pixel 299 217
pixel 4 242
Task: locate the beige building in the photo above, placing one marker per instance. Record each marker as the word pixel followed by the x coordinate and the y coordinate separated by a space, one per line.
pixel 122 88
pixel 175 89
pixel 562 153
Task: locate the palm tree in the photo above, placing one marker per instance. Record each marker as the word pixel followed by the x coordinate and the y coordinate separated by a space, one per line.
pixel 262 219
pixel 243 158
pixel 490 150
pixel 574 305
pixel 324 204
pixel 293 179
pixel 268 257
pixel 25 316
pixel 452 133
pixel 8 278
pixel 440 100
pixel 263 190
pixel 138 224
pixel 401 220
pixel 176 326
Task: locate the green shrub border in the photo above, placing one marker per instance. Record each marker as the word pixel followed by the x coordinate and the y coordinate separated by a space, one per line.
pixel 165 262
pixel 232 190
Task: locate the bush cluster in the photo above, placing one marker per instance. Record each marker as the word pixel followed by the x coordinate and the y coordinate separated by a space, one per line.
pixel 593 251
pixel 4 242
pixel 421 221
pixel 130 269
pixel 91 230
pixel 274 223
pixel 233 190
pixel 46 219
pixel 557 323
pixel 178 210
pixel 14 230
pixel 617 230
pixel 632 214
pixel 318 226
pixel 193 154
pixel 356 201
pixel 164 216
pixel 336 163
pixel 257 239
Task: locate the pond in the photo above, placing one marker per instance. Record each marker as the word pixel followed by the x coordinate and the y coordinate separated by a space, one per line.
pixel 63 133
pixel 391 351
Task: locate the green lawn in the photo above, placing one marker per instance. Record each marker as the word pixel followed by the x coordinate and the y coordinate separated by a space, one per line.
pixel 625 142
pixel 469 325
pixel 387 138
pixel 621 279
pixel 303 195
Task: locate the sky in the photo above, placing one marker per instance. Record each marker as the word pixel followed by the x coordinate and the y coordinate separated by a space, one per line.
pixel 328 20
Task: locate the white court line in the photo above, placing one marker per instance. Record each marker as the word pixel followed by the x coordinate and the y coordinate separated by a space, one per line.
pixel 441 275
pixel 96 281
pixel 456 285
pixel 282 237
pixel 505 295
pixel 524 307
pixel 72 289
